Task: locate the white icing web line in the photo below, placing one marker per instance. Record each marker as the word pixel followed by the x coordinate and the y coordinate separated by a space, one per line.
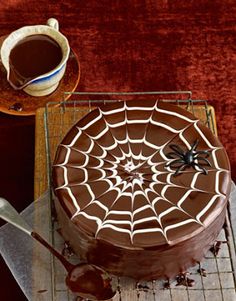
pixel 128 140
pixel 210 203
pixel 192 184
pixel 143 140
pixel 160 150
pixel 176 114
pixel 96 198
pixel 151 206
pixel 113 223
pixel 120 142
pixel 174 206
pixel 102 222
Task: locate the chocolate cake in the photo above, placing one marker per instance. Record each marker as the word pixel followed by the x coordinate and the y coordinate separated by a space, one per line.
pixel 141 188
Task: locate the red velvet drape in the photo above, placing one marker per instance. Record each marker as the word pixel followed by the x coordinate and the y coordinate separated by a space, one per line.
pixel 147 45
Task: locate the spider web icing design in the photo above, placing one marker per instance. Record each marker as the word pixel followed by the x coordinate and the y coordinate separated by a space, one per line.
pixel 111 168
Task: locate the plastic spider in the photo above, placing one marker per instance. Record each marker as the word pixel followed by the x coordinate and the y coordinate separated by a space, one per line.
pixel 188 158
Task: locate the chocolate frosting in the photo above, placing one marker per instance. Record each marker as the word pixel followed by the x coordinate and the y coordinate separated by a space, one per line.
pixel 112 179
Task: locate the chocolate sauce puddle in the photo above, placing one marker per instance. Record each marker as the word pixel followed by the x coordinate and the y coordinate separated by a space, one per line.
pixel 31 57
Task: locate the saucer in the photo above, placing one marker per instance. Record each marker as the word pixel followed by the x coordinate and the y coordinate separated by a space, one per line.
pixel 17 102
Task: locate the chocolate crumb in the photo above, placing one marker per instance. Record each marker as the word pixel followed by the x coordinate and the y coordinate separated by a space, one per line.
pixel 53 214
pixel 141 287
pixel 67 250
pixel 166 285
pixel 182 279
pixel 216 247
pixel 16 107
pixel 119 289
pixel 79 299
pixel 202 272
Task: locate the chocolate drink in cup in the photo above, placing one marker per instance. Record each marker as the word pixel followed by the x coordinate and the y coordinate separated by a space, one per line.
pixel 35 58
pixel 31 57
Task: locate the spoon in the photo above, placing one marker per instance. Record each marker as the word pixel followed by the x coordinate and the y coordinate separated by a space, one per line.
pixel 84 280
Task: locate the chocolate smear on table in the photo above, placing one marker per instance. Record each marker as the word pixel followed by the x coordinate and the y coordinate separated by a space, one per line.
pixel 42 291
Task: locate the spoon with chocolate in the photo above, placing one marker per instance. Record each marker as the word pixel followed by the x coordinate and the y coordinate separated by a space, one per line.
pixel 84 280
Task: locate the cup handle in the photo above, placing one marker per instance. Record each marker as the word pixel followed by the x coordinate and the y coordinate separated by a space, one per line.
pixel 52 22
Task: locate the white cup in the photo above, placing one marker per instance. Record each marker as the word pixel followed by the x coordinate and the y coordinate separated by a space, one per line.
pixel 48 82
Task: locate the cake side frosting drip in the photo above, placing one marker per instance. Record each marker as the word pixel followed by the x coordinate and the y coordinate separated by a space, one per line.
pixel 111 172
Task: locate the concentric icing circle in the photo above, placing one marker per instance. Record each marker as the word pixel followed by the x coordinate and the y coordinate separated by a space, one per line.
pixel 112 178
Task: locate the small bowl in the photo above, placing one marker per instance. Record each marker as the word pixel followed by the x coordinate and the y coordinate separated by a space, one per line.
pixel 48 82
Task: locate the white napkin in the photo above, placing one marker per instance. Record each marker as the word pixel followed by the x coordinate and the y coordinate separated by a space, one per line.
pixel 16 247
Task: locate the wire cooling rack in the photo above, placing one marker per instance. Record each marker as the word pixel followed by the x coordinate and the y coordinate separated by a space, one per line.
pixel 216 281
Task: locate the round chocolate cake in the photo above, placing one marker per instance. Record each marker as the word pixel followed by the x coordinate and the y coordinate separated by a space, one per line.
pixel 141 188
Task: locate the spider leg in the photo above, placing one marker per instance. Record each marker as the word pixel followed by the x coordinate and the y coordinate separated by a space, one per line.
pixel 195 144
pixel 177 149
pixel 202 168
pixel 204 152
pixel 204 160
pixel 179 169
pixel 173 155
pixel 176 161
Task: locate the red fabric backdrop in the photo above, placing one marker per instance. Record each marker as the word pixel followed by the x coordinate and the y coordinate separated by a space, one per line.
pixel 147 45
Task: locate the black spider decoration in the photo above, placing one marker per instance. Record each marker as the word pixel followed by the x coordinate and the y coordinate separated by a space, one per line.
pixel 188 158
